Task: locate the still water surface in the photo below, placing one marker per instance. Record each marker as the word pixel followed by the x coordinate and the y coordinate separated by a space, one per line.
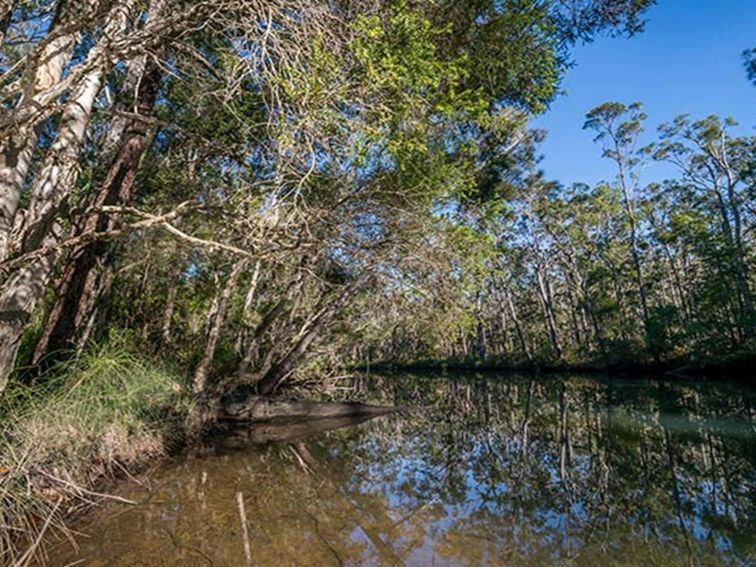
pixel 495 470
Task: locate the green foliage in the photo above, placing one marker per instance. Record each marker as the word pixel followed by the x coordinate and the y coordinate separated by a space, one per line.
pixel 749 60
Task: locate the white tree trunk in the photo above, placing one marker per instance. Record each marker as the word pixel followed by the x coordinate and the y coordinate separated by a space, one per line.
pixel 53 184
pixel 17 147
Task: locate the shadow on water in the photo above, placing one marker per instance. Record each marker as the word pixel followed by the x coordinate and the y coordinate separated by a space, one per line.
pixel 507 470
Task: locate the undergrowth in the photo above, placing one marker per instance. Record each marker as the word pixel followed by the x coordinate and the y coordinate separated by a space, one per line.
pixel 88 418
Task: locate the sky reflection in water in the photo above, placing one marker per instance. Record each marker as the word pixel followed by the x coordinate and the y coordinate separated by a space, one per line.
pixel 502 471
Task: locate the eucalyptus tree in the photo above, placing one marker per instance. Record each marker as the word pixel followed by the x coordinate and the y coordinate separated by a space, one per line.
pixel 716 182
pixel 618 126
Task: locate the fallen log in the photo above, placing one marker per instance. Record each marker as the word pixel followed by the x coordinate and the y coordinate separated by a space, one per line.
pixel 242 405
pixel 232 436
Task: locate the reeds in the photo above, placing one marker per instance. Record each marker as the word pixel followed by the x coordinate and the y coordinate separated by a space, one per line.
pixel 85 420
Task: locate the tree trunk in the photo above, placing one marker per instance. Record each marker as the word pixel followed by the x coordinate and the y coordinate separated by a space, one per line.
pixel 480 336
pixel 278 372
pixel 55 181
pixel 16 148
pixel 78 289
pixel 518 327
pixel 217 319
pixel 634 253
pixel 273 377
pixel 548 311
pixel 741 261
pixel 254 345
pixel 244 405
pixel 170 303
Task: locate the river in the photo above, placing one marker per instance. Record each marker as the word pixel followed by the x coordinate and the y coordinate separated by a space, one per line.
pixel 485 470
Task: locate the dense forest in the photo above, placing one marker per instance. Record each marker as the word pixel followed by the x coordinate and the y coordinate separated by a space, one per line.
pixel 205 194
pixel 616 273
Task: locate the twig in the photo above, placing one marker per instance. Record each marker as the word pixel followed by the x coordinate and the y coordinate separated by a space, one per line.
pixel 245 529
pixel 89 492
pixel 29 554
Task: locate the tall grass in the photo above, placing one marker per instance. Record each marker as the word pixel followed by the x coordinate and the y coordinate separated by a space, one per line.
pixel 88 418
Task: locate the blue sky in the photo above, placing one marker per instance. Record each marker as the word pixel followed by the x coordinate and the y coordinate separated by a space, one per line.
pixel 688 60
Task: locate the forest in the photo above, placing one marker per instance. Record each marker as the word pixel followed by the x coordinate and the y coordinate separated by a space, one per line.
pixel 202 196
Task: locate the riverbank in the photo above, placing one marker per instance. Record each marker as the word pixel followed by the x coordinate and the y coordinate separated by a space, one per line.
pixel 100 416
pixel 458 484
pixel 110 413
pixel 737 366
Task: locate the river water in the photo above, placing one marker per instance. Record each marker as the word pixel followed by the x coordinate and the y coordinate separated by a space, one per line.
pixel 488 470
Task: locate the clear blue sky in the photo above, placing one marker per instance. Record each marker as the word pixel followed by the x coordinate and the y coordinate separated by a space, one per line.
pixel 688 60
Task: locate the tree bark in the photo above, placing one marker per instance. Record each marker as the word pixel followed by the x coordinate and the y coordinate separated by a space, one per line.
pixel 16 148
pixel 170 303
pixel 254 345
pixel 79 281
pixel 280 371
pixel 548 310
pixel 273 377
pixel 217 319
pixel 629 205
pixel 54 183
pixel 518 327
pixel 741 261
pixel 244 405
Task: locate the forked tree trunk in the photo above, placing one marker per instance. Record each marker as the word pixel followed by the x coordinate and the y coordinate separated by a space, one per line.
pixel 278 372
pixel 215 325
pixel 270 381
pixel 253 348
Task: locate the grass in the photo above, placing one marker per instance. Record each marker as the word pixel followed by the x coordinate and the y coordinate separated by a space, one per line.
pixel 89 418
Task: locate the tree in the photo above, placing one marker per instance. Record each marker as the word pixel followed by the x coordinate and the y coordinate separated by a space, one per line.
pixel 281 129
pixel 749 60
pixel 618 127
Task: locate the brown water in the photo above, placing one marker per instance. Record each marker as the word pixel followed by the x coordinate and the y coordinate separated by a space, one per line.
pixel 501 471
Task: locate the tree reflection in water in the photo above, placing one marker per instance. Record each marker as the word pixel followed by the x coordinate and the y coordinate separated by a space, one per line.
pixel 501 471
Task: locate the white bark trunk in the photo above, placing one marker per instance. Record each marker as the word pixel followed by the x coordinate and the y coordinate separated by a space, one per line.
pixel 54 183
pixel 17 148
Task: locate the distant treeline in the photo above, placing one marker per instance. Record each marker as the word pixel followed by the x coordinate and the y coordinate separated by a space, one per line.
pixel 618 273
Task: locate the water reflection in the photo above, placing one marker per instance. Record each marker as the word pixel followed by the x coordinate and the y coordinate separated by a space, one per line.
pixel 502 471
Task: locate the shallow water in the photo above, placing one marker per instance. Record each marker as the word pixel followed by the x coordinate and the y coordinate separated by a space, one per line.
pixel 501 470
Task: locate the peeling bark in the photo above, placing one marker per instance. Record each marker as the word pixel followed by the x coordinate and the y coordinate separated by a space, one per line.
pixel 16 148
pixel 83 270
pixel 54 183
